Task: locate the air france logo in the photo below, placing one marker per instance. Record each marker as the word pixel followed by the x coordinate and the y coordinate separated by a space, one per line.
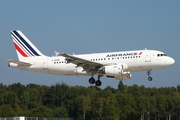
pixel 124 54
pixel 140 53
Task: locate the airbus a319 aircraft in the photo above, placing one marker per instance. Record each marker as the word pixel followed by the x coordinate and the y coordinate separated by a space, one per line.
pixel 117 65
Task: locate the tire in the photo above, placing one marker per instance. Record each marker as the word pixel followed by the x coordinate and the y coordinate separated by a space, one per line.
pixel 98 83
pixel 91 80
pixel 150 78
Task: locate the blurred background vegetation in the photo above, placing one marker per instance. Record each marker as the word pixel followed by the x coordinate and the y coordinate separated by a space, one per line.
pixel 90 103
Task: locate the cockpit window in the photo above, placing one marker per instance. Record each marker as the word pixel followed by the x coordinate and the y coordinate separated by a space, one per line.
pixel 160 55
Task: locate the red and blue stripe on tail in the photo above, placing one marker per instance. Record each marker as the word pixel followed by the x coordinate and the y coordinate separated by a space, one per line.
pixel 23 45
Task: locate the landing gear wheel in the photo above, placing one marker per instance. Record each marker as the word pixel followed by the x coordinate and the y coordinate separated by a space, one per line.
pixel 150 78
pixel 91 80
pixel 149 75
pixel 98 83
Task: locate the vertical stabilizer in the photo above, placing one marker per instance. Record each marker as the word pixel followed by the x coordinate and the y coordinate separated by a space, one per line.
pixel 23 46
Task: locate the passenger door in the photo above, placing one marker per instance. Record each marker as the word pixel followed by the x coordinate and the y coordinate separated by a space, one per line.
pixel 148 56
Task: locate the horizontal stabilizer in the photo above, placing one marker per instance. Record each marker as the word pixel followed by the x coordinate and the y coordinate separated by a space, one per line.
pixel 19 62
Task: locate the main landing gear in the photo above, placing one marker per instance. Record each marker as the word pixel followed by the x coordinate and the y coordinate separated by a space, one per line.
pixel 97 82
pixel 149 75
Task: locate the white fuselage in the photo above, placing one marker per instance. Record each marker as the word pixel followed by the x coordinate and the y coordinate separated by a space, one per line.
pixel 117 65
pixel 139 60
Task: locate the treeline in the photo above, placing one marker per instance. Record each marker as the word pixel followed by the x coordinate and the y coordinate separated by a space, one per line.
pixel 90 103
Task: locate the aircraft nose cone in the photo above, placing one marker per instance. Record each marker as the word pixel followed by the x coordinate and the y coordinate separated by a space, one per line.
pixel 171 61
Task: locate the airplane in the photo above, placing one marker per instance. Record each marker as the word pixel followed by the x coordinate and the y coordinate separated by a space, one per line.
pixel 117 65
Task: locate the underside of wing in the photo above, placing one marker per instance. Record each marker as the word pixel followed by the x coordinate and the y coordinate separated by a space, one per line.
pixel 87 65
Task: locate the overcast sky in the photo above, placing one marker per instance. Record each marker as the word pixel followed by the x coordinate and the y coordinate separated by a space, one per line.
pixel 91 27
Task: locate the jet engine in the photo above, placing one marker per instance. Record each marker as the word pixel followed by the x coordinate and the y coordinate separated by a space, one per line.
pixel 117 72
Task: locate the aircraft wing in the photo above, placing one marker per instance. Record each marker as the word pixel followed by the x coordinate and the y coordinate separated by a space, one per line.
pixel 80 62
pixel 19 62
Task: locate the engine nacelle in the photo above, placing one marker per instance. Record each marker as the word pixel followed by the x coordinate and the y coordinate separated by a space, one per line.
pixel 117 72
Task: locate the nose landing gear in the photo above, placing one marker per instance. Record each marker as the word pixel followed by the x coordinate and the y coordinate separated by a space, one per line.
pixel 149 75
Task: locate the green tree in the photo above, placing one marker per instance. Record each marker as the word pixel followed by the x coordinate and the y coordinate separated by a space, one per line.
pixel 3 90
pixel 56 95
pixel 109 111
pixel 42 111
pixel 121 85
pixel 60 112
pixel 6 111
pixel 83 105
pixel 35 100
pixel 97 108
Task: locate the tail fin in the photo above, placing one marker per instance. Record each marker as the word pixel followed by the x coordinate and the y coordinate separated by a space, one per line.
pixel 23 46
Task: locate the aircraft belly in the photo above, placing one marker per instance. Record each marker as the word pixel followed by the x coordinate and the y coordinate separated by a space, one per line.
pixel 139 66
pixel 62 69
